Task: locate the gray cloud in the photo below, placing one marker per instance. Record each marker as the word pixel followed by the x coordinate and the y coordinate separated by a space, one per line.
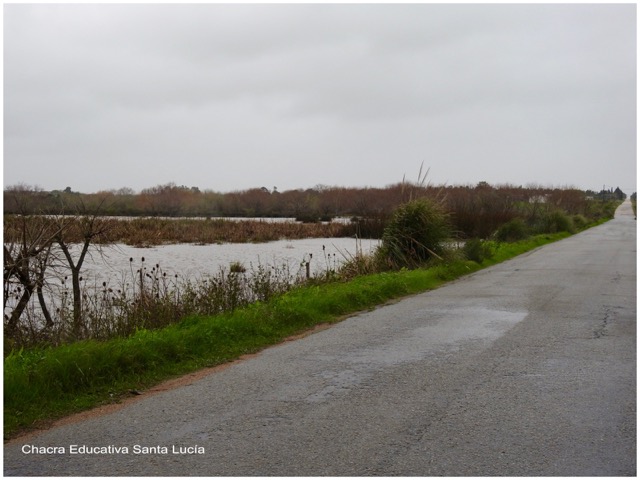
pixel 236 96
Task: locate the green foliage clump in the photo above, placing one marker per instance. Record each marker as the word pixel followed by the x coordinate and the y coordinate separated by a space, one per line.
pixel 609 209
pixel 362 264
pixel 416 233
pixel 477 250
pixel 512 231
pixel 580 221
pixel 554 222
pixel 598 210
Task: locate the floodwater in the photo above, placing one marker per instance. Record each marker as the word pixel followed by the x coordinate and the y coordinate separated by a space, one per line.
pixel 117 266
pixel 118 263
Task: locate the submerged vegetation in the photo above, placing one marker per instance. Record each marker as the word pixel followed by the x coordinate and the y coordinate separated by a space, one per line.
pixel 97 345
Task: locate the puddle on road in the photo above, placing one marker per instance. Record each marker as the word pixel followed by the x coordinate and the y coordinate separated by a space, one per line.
pixel 447 332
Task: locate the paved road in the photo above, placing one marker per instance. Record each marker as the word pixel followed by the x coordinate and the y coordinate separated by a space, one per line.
pixel 526 368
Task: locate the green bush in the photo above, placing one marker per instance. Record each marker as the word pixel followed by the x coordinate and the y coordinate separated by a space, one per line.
pixel 554 222
pixel 416 233
pixel 580 221
pixel 512 231
pixel 598 210
pixel 477 250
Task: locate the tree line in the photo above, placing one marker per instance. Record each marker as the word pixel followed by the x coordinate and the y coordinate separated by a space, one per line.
pixel 313 204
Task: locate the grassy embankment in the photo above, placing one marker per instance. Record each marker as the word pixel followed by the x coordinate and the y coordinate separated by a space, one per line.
pixel 44 384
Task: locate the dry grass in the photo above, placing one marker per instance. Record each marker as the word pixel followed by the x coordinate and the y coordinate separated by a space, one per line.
pixel 158 231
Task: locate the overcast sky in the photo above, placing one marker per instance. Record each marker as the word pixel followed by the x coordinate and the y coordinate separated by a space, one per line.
pixel 229 97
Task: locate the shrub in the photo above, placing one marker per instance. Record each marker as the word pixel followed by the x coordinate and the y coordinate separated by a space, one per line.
pixel 416 232
pixel 363 264
pixel 554 222
pixel 477 250
pixel 580 221
pixel 237 267
pixel 512 231
pixel 598 210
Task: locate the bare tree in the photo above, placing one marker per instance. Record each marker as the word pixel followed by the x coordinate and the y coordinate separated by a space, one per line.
pixel 37 244
pixel 25 267
pixel 27 252
pixel 90 226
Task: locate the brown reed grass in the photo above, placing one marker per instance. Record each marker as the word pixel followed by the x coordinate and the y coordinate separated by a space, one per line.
pixel 158 231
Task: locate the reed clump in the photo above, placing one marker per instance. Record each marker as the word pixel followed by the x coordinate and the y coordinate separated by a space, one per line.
pixel 416 233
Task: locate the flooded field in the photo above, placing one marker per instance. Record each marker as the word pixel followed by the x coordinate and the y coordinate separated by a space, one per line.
pixel 116 264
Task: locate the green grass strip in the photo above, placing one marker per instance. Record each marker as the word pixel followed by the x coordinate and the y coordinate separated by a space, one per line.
pixel 48 383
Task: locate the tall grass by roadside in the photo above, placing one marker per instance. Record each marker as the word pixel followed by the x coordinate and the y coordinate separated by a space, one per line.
pixel 147 298
pixel 41 384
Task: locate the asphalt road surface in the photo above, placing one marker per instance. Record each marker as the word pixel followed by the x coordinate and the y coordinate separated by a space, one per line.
pixel 524 369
